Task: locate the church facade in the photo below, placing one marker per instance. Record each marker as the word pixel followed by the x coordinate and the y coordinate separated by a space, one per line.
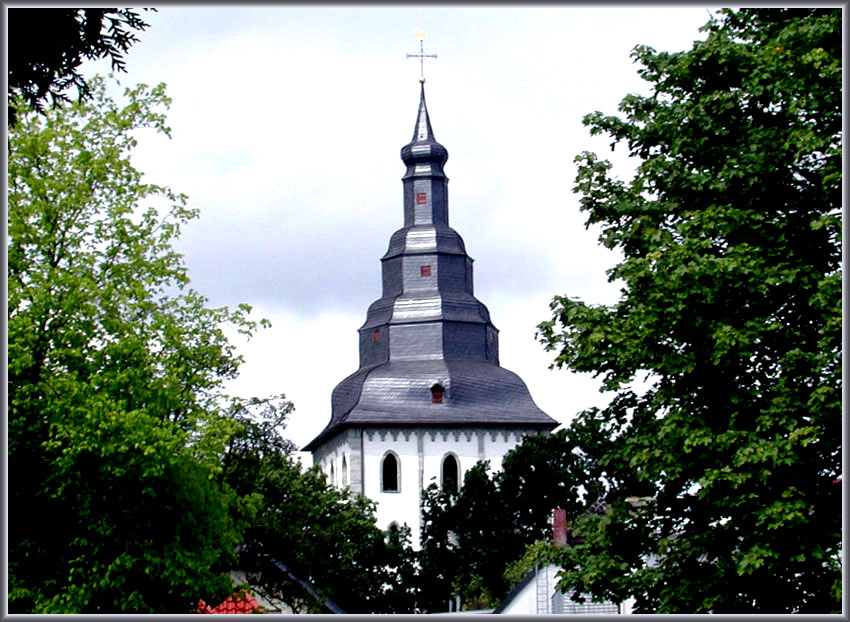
pixel 430 398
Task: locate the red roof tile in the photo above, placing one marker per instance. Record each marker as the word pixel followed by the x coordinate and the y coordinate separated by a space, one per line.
pixel 241 602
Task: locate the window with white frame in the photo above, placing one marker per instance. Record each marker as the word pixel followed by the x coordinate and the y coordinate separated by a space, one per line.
pixel 390 480
pixel 450 473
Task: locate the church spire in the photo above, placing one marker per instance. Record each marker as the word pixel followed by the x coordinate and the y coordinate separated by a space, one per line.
pixel 423 155
pixel 427 310
pixel 425 183
pixel 429 398
pixel 423 132
pixel 429 353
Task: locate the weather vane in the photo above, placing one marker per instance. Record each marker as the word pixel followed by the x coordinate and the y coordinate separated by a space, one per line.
pixel 420 34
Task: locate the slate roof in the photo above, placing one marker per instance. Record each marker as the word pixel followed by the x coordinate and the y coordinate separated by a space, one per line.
pixel 428 328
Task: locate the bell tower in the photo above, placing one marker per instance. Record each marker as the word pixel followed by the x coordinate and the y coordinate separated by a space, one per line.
pixel 427 310
pixel 430 398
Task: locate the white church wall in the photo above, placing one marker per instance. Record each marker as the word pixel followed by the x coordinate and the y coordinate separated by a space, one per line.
pixel 420 454
pixel 463 445
pixel 334 459
pixel 500 443
pixel 392 506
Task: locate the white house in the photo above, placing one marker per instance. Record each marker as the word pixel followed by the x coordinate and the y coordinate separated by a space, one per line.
pixel 537 594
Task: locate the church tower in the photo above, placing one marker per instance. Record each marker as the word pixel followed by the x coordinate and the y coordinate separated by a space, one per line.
pixel 429 399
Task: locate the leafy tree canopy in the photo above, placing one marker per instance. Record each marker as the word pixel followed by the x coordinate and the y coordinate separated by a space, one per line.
pixel 721 471
pixel 473 539
pixel 116 424
pixel 324 536
pixel 47 46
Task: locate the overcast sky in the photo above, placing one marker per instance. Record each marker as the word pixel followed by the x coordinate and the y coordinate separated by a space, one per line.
pixel 287 125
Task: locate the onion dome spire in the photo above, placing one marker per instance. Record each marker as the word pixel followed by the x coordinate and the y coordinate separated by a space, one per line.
pixel 424 156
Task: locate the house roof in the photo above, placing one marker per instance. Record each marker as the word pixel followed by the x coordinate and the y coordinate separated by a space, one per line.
pixel 529 577
pixel 240 602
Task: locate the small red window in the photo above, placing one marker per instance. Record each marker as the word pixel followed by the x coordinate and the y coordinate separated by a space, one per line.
pixel 436 394
pixel 376 335
pixel 421 197
pixel 425 271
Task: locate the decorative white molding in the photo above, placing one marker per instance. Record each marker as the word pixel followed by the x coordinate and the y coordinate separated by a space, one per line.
pixel 420 452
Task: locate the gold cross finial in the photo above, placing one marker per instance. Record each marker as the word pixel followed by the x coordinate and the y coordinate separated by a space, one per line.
pixel 420 34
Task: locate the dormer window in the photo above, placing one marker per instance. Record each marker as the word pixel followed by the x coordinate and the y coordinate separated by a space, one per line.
pixel 437 394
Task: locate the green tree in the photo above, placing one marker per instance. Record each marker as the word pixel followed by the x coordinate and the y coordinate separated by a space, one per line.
pixel 465 537
pixel 116 419
pixel 470 539
pixel 481 523
pixel 401 592
pixel 437 561
pixel 324 536
pixel 720 469
pixel 545 472
pixel 48 45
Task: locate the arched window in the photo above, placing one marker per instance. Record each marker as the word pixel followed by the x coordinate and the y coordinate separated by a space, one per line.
pixel 393 528
pixel 333 475
pixel 389 473
pixel 450 477
pixel 437 394
pixel 344 472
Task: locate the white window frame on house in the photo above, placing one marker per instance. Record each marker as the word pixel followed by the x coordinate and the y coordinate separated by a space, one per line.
pixel 397 472
pixel 448 455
